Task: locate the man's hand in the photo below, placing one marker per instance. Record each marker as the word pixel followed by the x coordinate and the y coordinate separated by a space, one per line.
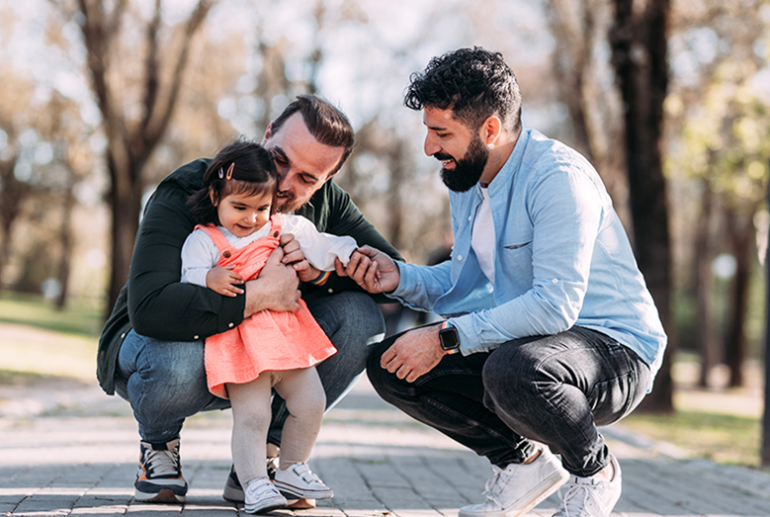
pixel 414 354
pixel 224 280
pixel 276 288
pixel 372 269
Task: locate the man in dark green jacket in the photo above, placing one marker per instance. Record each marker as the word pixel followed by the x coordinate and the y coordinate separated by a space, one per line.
pixel 151 349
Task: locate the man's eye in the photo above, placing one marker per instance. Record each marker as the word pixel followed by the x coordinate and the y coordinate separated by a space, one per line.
pixel 308 180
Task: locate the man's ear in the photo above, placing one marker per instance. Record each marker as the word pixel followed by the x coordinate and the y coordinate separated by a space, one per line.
pixel 491 129
pixel 267 134
pixel 213 197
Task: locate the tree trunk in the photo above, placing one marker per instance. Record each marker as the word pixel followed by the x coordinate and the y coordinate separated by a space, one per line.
pixel 741 231
pixel 12 193
pixel 639 47
pixel 764 452
pixel 704 330
pixel 65 234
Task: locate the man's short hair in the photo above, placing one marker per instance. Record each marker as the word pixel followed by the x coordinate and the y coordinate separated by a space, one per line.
pixel 474 83
pixel 327 123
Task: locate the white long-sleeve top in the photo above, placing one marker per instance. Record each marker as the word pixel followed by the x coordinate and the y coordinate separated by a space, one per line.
pixel 200 254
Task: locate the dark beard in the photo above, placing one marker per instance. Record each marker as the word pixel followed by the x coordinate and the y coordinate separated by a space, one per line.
pixel 467 172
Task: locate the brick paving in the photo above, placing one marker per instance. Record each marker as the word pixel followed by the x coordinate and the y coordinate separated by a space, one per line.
pixel 69 450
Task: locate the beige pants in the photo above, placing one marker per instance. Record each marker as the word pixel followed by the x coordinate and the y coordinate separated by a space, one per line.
pixel 305 401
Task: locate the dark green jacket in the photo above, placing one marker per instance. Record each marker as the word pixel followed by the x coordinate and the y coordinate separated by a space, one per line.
pixel 154 302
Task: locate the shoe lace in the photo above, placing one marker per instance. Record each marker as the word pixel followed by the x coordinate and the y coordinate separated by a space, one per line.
pixel 496 483
pixel 161 463
pixel 577 497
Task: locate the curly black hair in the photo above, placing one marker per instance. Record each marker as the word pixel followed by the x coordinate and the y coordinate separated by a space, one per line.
pixel 474 83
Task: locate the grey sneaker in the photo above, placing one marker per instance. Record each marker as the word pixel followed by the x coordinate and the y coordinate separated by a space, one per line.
pixel 159 478
pixel 234 491
pixel 518 488
pixel 262 496
pixel 298 481
pixel 589 497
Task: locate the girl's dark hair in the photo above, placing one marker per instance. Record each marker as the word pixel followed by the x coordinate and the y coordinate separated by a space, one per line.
pixel 253 173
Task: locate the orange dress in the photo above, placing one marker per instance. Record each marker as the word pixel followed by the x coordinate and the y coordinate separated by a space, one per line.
pixel 268 340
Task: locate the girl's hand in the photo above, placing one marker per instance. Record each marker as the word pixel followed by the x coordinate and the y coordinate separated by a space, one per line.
pixel 305 271
pixel 224 280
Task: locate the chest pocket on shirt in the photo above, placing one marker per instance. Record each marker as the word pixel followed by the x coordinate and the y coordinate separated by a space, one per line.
pixel 516 257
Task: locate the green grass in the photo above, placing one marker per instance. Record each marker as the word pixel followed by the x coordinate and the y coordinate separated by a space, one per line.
pixel 720 437
pixel 80 317
pixel 36 339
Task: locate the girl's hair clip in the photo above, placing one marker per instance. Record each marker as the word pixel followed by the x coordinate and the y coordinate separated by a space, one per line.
pixel 230 171
pixel 221 173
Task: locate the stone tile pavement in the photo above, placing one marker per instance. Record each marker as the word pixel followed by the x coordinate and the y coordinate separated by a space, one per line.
pixel 69 450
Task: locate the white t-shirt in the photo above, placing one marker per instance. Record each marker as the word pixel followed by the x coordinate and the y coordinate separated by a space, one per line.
pixel 483 236
pixel 200 254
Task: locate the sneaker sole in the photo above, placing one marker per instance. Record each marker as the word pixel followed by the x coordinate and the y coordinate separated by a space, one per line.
pixel 166 495
pixel 290 492
pixel 233 493
pixel 554 482
pixel 264 509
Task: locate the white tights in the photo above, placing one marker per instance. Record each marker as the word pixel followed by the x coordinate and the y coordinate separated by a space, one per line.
pixel 305 401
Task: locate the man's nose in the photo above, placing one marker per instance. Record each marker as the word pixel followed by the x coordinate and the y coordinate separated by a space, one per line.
pixel 283 183
pixel 431 147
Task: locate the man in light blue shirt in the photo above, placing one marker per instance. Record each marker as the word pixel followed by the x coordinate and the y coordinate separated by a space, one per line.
pixel 550 329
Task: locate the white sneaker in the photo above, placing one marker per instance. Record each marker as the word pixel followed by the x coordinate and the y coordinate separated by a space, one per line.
pixel 298 481
pixel 590 497
pixel 518 488
pixel 262 496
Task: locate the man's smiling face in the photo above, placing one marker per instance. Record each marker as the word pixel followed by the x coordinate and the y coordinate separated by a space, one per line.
pixel 303 163
pixel 461 152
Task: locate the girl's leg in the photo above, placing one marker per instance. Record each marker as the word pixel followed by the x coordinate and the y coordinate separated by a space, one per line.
pixel 251 419
pixel 305 401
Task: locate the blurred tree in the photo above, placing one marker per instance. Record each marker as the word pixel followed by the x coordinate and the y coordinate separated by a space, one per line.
pixel 133 126
pixel 15 111
pixel 640 57
pixel 720 124
pixel 585 85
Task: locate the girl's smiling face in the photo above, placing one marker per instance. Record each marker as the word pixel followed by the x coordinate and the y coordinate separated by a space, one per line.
pixel 244 214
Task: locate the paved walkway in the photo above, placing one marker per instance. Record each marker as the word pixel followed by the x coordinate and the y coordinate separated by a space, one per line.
pixel 69 450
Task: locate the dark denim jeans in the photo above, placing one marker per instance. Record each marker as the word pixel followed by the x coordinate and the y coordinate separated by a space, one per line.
pixel 165 381
pixel 554 390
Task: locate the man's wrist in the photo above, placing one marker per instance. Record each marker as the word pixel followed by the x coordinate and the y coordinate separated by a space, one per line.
pixel 449 338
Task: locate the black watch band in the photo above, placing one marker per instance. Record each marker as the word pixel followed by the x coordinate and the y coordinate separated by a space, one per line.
pixel 449 338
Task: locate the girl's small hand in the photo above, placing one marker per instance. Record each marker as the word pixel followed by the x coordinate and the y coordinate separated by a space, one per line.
pixel 305 271
pixel 223 280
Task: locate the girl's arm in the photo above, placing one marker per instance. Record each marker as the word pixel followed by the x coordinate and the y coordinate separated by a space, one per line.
pixel 320 249
pixel 199 258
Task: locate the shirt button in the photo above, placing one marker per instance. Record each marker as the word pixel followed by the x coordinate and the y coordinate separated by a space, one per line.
pixel 554 281
pixel 330 290
pixel 470 218
pixel 459 257
pixel 231 324
pixel 196 337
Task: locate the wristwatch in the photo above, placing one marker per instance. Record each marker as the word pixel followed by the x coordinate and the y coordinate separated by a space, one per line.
pixel 449 338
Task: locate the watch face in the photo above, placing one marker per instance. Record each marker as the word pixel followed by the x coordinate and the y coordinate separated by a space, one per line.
pixel 449 338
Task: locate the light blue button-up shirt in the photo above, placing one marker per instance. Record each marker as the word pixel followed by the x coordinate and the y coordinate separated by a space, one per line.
pixel 562 258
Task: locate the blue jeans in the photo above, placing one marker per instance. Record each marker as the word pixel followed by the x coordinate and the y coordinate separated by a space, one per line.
pixel 554 390
pixel 165 381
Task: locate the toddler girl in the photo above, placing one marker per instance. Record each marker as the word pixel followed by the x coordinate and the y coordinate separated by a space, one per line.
pixel 230 245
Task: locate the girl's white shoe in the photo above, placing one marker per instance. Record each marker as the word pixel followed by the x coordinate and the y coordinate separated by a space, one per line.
pixel 298 481
pixel 262 496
